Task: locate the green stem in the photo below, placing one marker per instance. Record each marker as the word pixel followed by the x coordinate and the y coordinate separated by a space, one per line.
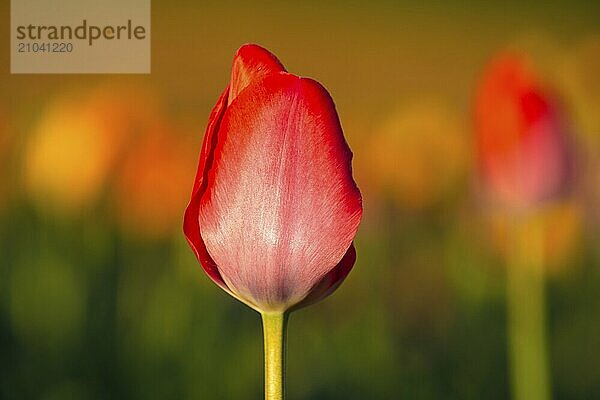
pixel 526 313
pixel 274 330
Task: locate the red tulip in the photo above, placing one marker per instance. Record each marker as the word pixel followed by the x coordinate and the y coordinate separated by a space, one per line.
pixel 274 208
pixel 523 160
pixel 520 136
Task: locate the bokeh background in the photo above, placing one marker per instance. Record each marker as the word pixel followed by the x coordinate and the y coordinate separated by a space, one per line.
pixel 101 298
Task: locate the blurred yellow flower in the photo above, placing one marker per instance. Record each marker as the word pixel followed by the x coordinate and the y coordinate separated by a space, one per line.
pixel 563 227
pixel 419 153
pixel 77 143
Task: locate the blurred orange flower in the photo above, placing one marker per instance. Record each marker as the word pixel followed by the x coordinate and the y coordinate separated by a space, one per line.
pixel 78 142
pixel 153 184
pixel 419 153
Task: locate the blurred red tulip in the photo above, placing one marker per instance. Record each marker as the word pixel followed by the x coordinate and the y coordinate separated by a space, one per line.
pixel 274 208
pixel 521 142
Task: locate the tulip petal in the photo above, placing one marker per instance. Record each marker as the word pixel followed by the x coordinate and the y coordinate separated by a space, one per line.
pixel 281 208
pixel 251 63
pixel 190 219
pixel 331 281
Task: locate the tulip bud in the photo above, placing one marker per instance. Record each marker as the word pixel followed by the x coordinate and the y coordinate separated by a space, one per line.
pixel 274 208
pixel 521 142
